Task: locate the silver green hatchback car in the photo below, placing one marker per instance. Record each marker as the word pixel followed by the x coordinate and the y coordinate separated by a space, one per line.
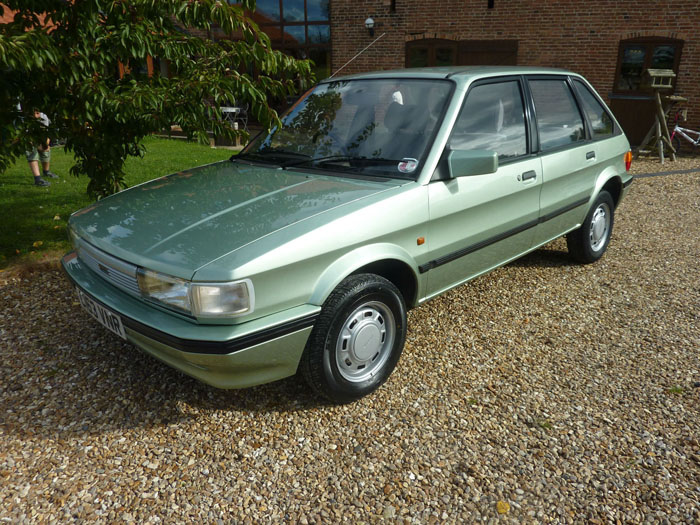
pixel 378 192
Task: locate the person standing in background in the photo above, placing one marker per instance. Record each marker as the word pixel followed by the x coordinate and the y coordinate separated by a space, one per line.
pixel 41 153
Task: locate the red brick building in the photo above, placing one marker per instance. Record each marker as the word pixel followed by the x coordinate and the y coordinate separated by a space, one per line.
pixel 610 42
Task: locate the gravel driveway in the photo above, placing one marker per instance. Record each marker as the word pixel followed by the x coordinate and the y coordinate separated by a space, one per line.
pixel 542 392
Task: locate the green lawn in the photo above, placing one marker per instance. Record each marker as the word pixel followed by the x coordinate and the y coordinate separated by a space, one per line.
pixel 34 218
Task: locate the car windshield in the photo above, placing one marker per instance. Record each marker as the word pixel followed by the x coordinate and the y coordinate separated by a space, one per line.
pixel 377 127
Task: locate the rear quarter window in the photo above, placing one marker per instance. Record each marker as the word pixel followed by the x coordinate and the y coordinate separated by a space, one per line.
pixel 601 122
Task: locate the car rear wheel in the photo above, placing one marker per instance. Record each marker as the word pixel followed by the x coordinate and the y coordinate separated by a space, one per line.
pixel 357 340
pixel 588 243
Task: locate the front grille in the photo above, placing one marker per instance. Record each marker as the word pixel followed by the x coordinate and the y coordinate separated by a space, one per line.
pixel 115 271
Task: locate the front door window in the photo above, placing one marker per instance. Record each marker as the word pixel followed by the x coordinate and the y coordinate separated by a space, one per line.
pixel 492 118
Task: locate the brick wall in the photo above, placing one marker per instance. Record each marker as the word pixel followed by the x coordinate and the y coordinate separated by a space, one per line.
pixel 581 35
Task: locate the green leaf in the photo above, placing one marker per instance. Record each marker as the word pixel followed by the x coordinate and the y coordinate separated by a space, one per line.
pixel 73 71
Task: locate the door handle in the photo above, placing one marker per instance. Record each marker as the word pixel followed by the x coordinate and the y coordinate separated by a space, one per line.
pixel 590 155
pixel 532 174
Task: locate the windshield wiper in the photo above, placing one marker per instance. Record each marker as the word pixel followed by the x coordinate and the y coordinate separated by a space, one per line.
pixel 283 153
pixel 317 160
pixel 269 156
pixel 366 161
pixel 242 156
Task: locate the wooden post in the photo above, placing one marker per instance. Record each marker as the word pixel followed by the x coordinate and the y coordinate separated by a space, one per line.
pixel 661 117
pixel 658 135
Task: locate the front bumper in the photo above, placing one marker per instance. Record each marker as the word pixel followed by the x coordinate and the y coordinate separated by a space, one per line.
pixel 224 356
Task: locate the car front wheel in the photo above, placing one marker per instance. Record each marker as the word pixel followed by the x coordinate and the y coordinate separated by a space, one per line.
pixel 588 243
pixel 357 340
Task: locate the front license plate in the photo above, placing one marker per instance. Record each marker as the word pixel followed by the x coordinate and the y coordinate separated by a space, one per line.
pixel 106 318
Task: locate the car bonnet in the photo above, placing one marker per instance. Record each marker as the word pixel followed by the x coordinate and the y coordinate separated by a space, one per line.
pixel 181 222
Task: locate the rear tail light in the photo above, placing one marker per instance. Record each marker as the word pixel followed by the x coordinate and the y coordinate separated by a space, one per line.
pixel 628 160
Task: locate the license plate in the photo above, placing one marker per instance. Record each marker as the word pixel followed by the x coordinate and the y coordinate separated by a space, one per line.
pixel 105 317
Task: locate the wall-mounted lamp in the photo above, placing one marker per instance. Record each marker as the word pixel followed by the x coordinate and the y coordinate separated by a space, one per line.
pixel 369 24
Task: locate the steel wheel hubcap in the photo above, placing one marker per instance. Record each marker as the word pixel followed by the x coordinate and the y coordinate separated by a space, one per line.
pixel 600 226
pixel 365 341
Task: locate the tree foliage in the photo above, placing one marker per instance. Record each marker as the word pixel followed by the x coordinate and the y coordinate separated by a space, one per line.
pixel 62 57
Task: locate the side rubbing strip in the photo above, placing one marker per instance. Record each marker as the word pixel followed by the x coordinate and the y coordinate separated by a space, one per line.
pixel 220 347
pixel 562 211
pixel 487 242
pixel 474 247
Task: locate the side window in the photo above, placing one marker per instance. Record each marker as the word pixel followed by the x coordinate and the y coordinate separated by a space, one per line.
pixel 601 123
pixel 492 118
pixel 558 119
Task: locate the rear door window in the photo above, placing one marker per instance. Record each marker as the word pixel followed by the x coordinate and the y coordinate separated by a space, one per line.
pixel 559 121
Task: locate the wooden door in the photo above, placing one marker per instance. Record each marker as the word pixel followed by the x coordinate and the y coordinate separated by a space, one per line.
pixel 438 52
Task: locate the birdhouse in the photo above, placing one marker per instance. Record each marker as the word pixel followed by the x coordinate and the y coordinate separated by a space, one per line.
pixel 661 78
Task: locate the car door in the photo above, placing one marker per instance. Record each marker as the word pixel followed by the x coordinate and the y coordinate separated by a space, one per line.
pixel 570 159
pixel 478 222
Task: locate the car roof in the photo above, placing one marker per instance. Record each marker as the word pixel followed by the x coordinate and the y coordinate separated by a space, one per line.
pixel 458 72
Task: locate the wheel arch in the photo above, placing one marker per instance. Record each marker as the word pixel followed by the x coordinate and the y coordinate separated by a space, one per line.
pixel 386 260
pixel 399 273
pixel 609 181
pixel 614 187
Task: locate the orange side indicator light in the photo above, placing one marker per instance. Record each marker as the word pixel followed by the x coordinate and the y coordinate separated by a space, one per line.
pixel 628 160
pixel 420 240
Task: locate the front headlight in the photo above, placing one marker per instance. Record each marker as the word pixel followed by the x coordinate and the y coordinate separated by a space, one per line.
pixel 171 291
pixel 199 299
pixel 222 299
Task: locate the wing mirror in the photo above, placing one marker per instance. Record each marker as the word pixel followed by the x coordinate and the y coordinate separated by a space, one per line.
pixel 463 163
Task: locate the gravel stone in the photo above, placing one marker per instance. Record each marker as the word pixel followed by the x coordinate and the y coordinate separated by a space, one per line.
pixel 544 391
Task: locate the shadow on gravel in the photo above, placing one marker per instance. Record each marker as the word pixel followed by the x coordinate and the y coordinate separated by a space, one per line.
pixel 544 258
pixel 82 392
pixel 62 375
pixel 288 395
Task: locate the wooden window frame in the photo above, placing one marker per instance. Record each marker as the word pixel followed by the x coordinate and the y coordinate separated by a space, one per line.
pixel 282 24
pixel 650 42
pixel 432 44
pixel 461 48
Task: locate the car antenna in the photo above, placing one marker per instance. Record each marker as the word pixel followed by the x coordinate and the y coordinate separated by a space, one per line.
pixel 357 55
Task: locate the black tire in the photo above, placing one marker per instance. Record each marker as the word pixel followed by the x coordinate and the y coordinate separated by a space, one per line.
pixel 588 243
pixel 677 145
pixel 357 339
